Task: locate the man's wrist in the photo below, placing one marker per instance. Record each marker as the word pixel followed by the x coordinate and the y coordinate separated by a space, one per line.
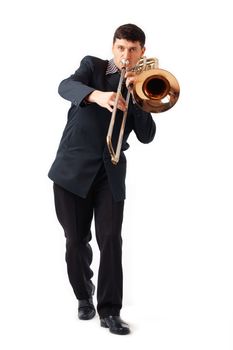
pixel 92 97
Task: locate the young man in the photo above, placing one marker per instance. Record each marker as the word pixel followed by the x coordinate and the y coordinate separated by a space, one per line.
pixel 86 183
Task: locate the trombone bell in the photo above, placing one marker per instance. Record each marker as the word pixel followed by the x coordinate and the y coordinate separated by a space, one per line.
pixel 156 90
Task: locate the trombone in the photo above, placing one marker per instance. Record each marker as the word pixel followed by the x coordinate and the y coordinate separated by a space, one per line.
pixel 155 90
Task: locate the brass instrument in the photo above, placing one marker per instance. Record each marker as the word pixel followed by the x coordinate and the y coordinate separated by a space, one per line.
pixel 155 90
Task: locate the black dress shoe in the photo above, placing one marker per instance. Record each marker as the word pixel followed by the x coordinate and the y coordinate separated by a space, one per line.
pixel 115 325
pixel 86 309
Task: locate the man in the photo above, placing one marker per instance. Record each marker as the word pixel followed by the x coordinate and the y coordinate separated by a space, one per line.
pixel 85 180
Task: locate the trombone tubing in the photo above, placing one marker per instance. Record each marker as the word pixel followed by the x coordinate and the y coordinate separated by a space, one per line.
pixel 116 155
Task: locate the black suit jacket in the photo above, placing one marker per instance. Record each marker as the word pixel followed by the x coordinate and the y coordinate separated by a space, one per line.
pixel 83 148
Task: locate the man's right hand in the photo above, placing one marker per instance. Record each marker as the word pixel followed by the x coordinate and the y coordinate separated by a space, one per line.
pixel 106 100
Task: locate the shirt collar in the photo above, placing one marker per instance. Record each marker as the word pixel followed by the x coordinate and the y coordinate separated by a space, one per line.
pixel 111 68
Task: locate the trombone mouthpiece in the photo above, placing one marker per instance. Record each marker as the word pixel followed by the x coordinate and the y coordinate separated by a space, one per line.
pixel 124 62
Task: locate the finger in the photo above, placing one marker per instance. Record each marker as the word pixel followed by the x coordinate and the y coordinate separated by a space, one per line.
pixel 122 106
pixel 109 108
pixel 121 99
pixel 121 103
pixel 111 103
pixel 130 82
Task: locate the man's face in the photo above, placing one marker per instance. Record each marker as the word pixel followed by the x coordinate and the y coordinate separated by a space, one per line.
pixel 128 50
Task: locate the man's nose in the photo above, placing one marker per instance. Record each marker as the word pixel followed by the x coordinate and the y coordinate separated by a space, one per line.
pixel 127 54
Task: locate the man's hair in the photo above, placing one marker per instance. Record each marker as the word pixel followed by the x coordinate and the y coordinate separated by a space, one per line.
pixel 130 32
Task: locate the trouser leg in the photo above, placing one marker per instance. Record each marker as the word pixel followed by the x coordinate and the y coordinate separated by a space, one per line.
pixel 108 223
pixel 75 215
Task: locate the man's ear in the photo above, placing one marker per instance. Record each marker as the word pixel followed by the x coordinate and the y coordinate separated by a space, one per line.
pixel 143 50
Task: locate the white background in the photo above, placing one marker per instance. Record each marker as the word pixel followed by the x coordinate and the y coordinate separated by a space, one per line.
pixel 178 217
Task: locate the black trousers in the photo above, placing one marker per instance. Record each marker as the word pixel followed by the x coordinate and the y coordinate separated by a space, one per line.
pixel 75 214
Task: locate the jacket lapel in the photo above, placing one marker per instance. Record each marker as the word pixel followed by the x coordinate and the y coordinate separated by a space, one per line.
pixel 113 80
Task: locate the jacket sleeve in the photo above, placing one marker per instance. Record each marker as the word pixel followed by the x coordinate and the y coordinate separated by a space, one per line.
pixel 76 87
pixel 144 126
